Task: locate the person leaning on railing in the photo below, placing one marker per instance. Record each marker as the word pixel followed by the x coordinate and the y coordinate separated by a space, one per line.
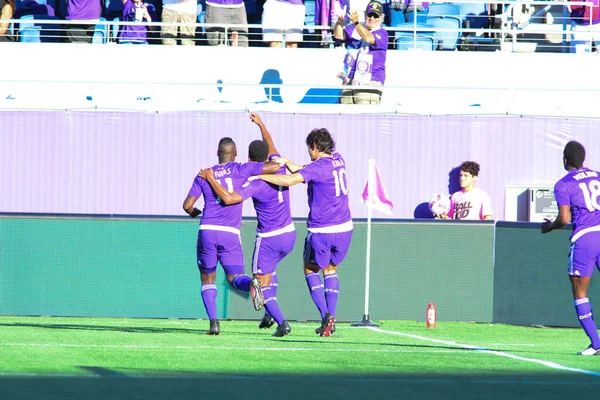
pixel 364 64
pixel 7 10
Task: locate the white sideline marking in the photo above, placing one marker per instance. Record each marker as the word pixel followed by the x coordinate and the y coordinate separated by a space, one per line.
pixel 548 364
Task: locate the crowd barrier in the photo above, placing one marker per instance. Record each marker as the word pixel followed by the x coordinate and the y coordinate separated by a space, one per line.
pixel 119 266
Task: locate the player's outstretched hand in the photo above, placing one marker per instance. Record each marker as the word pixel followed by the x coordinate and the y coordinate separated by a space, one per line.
pixel 256 119
pixel 546 225
pixel 206 173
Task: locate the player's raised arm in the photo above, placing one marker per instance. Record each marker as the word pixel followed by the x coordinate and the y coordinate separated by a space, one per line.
pixel 266 136
pixel 226 197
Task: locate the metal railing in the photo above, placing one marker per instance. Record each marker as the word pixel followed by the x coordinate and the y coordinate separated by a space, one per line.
pixel 542 26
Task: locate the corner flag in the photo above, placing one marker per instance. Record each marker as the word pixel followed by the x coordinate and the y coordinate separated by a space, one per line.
pixel 375 194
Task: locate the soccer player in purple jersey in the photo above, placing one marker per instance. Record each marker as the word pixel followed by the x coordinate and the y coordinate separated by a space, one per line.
pixel 276 234
pixel 329 221
pixel 578 198
pixel 219 230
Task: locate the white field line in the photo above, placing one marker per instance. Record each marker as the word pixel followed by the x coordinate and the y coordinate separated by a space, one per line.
pixel 548 364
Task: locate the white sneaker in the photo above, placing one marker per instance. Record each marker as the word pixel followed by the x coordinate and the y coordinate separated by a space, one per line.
pixel 590 351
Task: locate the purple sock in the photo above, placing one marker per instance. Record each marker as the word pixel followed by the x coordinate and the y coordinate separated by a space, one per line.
pixel 315 286
pixel 586 319
pixel 271 305
pixel 273 287
pixel 209 298
pixel 332 287
pixel 241 282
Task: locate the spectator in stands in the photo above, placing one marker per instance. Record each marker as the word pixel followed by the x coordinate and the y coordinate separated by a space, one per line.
pixel 324 15
pixel 582 15
pixel 283 17
pixel 32 7
pixel 179 11
pixel 134 11
pixel 364 64
pixel 7 10
pixel 82 10
pixel 226 12
pixel 469 203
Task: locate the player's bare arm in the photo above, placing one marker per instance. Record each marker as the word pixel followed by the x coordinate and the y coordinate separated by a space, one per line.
pixel 281 180
pixel 270 167
pixel 564 217
pixel 226 197
pixel 266 136
pixel 289 165
pixel 188 206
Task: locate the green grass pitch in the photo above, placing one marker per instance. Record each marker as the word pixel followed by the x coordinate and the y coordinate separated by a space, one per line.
pixel 93 358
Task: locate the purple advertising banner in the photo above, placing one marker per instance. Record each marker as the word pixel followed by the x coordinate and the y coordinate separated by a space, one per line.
pixel 143 163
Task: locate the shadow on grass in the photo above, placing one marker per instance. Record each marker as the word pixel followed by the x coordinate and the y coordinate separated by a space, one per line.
pixel 149 385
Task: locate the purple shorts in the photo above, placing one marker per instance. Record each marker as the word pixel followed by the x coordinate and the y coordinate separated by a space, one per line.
pixel 584 255
pixel 269 251
pixel 224 247
pixel 324 249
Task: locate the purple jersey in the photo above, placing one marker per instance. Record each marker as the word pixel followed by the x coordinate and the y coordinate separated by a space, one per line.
pixel 271 202
pixel 231 176
pixel 133 13
pixel 327 194
pixel 84 9
pixel 365 62
pixel 580 190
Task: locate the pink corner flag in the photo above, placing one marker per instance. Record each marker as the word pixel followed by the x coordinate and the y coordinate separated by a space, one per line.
pixel 375 194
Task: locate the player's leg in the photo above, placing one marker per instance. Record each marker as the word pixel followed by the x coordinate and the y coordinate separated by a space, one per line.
pixel 583 257
pixel 206 258
pixel 268 252
pixel 317 255
pixel 340 244
pixel 231 257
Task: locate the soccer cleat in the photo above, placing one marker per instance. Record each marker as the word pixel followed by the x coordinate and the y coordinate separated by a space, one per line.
pixel 257 295
pixel 282 329
pixel 266 322
pixel 326 325
pixel 215 327
pixel 320 329
pixel 590 351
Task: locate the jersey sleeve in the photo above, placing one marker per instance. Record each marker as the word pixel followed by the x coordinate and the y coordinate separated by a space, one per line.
pixel 196 189
pixel 252 168
pixel 309 172
pixel 561 194
pixel 381 40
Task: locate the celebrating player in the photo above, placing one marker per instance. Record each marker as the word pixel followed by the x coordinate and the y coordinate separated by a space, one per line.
pixel 578 198
pixel 276 234
pixel 219 231
pixel 329 220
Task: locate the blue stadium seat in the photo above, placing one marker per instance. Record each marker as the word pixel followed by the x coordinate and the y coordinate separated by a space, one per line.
pixel 476 14
pixel 444 10
pixel 309 17
pixel 446 31
pixel 420 15
pixel 100 32
pixel 36 32
pixel 406 41
pixel 425 36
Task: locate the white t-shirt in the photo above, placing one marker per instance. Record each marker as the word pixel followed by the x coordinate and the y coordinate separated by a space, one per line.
pixel 182 6
pixel 472 205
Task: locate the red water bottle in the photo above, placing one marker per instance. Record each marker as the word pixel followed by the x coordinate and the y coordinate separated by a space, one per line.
pixel 431 315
